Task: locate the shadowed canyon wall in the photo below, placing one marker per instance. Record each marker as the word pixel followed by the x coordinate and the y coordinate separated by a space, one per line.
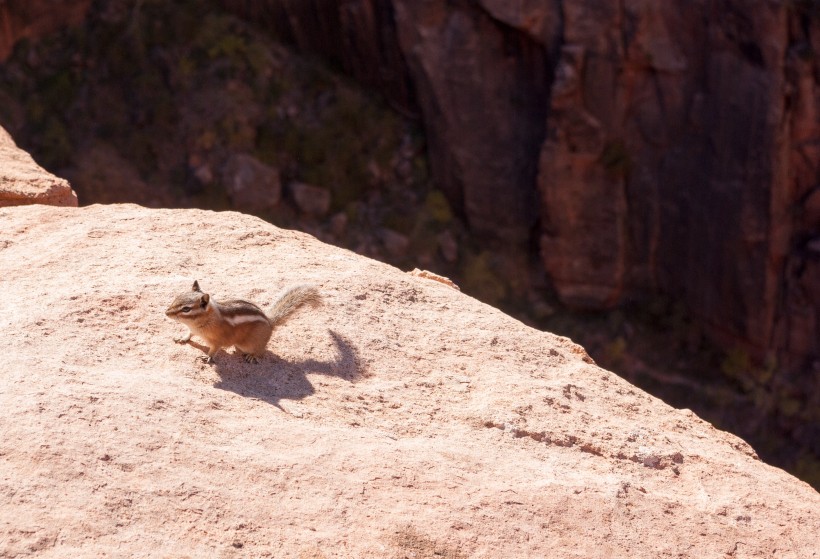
pixel 667 147
pixel 34 18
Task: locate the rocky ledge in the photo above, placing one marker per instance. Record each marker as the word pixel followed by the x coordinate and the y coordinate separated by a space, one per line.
pixel 23 182
pixel 402 418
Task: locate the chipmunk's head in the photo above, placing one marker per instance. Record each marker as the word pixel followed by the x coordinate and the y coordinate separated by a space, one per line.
pixel 189 306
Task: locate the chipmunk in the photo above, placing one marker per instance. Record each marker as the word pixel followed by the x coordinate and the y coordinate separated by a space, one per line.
pixel 235 323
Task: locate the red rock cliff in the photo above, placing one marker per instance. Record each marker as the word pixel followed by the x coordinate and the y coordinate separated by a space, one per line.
pixel 650 146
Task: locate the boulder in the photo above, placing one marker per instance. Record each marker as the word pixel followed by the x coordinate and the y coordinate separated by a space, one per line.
pixel 310 199
pixel 251 185
pixel 23 182
pixel 401 418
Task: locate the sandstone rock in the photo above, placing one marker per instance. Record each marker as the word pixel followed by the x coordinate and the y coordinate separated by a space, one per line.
pixel 394 242
pixel 399 418
pixel 23 182
pixel 653 176
pixel 251 185
pixel 540 19
pixel 203 174
pixel 475 97
pixel 435 277
pixel 311 200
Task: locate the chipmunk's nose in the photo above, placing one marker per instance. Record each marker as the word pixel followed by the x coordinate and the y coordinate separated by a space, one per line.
pixel 169 312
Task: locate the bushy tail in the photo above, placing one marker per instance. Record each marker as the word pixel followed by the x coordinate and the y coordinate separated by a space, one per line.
pixel 291 300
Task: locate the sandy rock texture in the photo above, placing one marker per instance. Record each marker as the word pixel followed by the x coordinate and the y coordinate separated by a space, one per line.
pixel 400 419
pixel 22 181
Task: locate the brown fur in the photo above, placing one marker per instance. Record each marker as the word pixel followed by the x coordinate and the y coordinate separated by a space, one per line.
pixel 236 322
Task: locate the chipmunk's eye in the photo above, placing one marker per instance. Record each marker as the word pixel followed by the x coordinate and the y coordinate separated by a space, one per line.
pixel 186 309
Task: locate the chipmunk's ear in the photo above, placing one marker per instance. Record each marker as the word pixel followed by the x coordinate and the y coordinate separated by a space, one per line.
pixel 204 300
pixel 196 286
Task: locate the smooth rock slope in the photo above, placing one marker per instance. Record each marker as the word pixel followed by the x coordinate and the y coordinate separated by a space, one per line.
pixel 400 419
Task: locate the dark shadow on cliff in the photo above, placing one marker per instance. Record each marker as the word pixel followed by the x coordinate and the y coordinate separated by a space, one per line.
pixel 274 379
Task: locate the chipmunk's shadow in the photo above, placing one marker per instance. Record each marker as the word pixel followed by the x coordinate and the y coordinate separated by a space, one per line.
pixel 274 379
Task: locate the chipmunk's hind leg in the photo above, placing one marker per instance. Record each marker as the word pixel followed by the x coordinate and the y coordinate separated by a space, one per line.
pixel 250 358
pixel 253 347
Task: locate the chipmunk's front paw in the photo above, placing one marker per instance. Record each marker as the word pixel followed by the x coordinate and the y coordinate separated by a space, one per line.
pixel 249 358
pixel 183 339
pixel 207 359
